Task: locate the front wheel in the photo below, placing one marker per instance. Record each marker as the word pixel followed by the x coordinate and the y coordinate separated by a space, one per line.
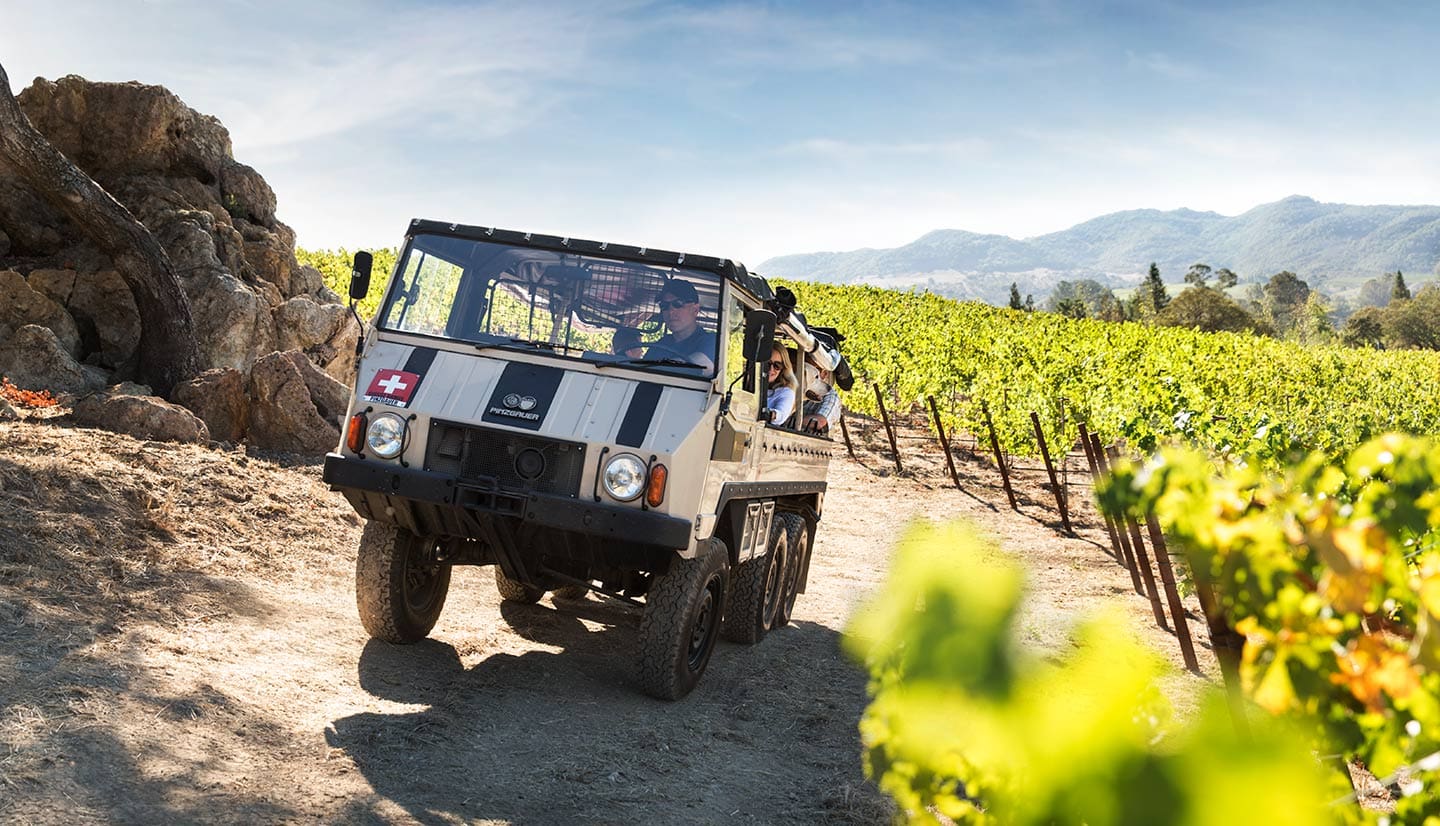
pixel 681 623
pixel 399 587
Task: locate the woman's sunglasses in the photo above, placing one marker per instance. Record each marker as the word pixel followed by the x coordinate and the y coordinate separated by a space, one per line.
pixel 777 365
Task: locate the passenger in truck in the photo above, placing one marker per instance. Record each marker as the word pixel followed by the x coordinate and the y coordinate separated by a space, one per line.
pixel 822 401
pixel 686 339
pixel 781 398
pixel 626 342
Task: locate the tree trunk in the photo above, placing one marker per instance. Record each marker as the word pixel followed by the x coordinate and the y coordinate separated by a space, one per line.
pixel 167 353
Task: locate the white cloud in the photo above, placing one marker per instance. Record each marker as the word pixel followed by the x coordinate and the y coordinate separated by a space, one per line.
pixel 858 152
pixel 1165 66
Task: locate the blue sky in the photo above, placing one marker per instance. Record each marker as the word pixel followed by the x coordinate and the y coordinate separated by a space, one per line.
pixel 748 130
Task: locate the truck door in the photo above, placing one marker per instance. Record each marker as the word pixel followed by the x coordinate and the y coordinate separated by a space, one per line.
pixel 735 453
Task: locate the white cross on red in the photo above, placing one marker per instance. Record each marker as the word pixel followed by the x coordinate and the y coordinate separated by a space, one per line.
pixel 392 385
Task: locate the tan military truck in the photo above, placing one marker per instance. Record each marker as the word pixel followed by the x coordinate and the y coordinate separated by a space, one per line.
pixel 585 417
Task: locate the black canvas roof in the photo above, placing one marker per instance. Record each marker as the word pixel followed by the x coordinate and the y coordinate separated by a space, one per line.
pixel 724 267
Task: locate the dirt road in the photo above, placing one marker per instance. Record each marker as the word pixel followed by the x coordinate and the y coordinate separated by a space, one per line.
pixel 178 643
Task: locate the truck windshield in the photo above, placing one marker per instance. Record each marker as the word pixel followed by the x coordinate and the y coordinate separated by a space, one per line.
pixel 602 310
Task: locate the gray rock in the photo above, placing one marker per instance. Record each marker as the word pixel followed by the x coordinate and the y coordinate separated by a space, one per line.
pixel 117 129
pixel 285 413
pixel 20 305
pixel 217 397
pixel 141 416
pixel 245 194
pixel 103 309
pixel 34 359
pixel 233 322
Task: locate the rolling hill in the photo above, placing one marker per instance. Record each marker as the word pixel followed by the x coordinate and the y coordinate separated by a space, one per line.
pixel 1334 247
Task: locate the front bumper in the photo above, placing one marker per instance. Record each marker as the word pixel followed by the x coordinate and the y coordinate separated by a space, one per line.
pixel 430 504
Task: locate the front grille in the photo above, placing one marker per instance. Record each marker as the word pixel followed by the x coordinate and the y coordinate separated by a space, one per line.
pixel 513 460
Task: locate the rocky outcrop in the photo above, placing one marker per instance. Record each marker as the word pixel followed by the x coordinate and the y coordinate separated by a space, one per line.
pixel 131 409
pixel 172 167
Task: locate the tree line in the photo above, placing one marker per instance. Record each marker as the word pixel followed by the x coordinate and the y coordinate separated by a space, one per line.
pixel 1389 316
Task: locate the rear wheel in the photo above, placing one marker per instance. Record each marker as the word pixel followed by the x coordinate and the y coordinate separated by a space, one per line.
pixel 681 623
pixel 757 590
pixel 399 587
pixel 513 590
pixel 797 539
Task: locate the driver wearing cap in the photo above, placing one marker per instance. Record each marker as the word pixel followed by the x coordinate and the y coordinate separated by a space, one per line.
pixel 686 339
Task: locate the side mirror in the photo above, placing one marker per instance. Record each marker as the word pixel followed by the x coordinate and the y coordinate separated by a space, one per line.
pixel 360 276
pixel 759 334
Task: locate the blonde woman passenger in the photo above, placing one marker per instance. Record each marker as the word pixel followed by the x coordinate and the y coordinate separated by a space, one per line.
pixel 784 387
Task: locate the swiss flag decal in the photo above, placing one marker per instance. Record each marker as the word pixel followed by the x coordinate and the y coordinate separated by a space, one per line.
pixel 392 386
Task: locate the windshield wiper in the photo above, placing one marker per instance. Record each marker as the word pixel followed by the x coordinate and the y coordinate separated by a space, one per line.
pixel 523 342
pixel 668 362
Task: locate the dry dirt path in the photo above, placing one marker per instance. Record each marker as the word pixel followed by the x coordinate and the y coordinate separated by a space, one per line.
pixel 178 643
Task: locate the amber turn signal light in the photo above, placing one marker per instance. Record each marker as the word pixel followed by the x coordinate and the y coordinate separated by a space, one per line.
pixel 655 491
pixel 355 433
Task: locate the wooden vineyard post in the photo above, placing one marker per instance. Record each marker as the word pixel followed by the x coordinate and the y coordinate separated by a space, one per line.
pixel 1142 559
pixel 944 442
pixel 999 457
pixel 1095 480
pixel 889 431
pixel 1127 558
pixel 1228 647
pixel 1172 593
pixel 1050 469
pixel 845 432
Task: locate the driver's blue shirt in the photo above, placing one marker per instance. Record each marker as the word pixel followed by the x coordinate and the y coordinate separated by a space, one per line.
pixel 698 347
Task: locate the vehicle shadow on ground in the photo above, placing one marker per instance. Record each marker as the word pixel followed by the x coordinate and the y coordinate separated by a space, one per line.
pixel 552 736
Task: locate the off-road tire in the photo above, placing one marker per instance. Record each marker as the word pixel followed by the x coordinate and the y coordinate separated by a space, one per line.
pixel 757 589
pixel 399 596
pixel 571 592
pixel 681 622
pixel 797 539
pixel 515 591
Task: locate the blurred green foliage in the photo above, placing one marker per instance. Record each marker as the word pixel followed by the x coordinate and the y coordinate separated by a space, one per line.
pixel 963 725
pixel 1330 570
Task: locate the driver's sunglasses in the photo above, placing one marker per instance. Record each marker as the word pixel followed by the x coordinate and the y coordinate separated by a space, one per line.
pixel 674 304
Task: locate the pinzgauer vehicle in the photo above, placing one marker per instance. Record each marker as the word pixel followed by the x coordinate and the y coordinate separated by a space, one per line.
pixel 584 417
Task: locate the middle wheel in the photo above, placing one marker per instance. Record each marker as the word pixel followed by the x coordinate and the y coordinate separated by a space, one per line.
pixel 758 591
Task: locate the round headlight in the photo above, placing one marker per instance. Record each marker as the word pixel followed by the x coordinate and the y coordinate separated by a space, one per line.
pixel 624 477
pixel 386 435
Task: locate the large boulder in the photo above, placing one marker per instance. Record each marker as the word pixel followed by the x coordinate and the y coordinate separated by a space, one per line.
pixel 218 398
pixel 236 323
pixel 130 409
pixel 294 407
pixel 244 194
pixel 324 332
pixel 103 309
pixel 34 359
pixel 113 130
pixel 21 305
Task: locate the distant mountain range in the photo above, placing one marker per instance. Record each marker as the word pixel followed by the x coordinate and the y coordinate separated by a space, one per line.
pixel 1334 247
